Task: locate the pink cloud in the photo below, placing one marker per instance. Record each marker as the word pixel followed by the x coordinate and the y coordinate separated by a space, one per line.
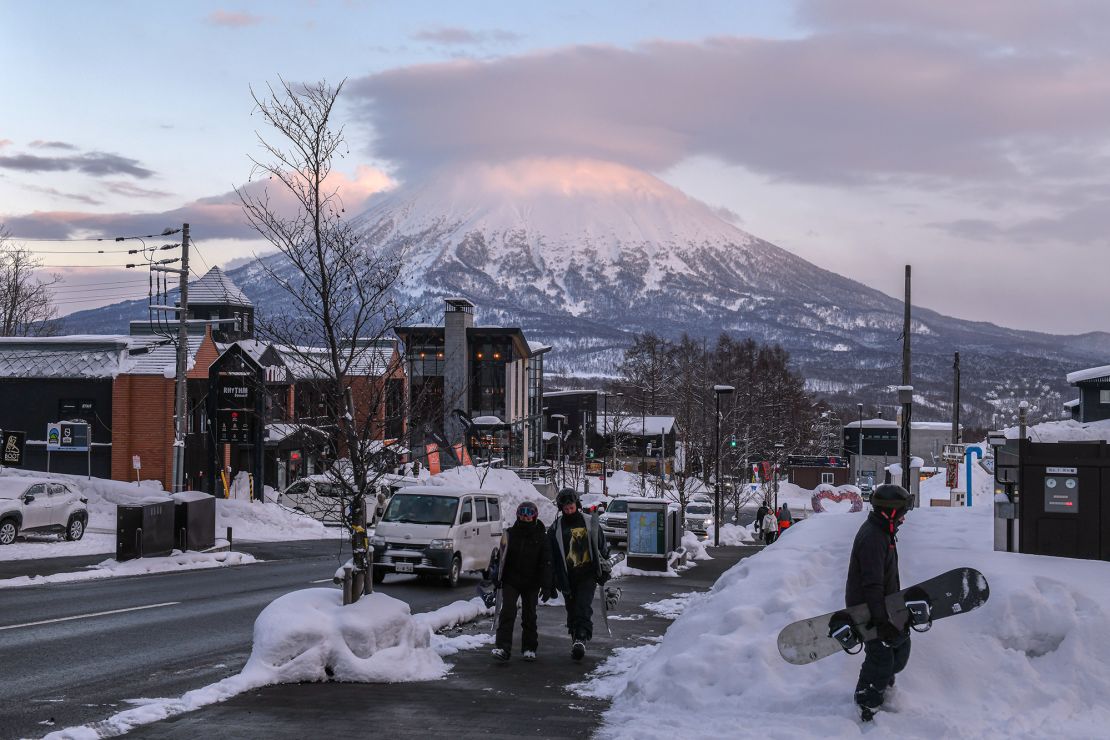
pixel 233 19
pixel 219 216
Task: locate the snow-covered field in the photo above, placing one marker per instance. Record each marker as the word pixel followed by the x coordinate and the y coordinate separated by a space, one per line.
pixel 1033 662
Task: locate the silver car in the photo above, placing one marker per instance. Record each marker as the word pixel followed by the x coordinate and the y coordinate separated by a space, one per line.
pixel 40 505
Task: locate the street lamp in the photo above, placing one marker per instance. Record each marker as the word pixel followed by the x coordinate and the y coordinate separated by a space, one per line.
pixel 718 391
pixel 859 443
pixel 605 436
pixel 559 419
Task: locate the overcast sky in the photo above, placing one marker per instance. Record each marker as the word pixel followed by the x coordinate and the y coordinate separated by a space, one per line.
pixel 968 139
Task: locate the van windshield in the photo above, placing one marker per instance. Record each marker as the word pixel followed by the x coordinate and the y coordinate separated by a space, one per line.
pixel 411 508
pixel 699 509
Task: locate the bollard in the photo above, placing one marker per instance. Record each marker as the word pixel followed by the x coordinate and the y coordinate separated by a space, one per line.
pixel 229 539
pixel 346 585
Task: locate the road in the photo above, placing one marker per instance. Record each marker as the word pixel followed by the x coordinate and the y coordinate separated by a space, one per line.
pixel 76 652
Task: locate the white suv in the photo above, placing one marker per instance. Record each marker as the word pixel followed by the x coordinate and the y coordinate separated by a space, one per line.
pixel 40 505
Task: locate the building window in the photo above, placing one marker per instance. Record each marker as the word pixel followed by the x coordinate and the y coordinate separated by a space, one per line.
pixel 1104 398
pixel 827 478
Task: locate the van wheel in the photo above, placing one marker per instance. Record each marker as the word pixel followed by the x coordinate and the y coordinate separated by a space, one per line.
pixel 452 579
pixel 378 575
pixel 8 531
pixel 75 530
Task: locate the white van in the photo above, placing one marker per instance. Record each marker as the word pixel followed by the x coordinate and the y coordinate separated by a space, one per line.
pixel 437 531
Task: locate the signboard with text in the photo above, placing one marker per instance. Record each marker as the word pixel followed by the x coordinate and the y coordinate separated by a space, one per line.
pixel 235 417
pixel 67 436
pixel 11 448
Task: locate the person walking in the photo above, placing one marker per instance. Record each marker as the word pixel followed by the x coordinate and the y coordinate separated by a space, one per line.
pixel 759 514
pixel 580 562
pixel 872 576
pixel 785 517
pixel 770 527
pixel 524 574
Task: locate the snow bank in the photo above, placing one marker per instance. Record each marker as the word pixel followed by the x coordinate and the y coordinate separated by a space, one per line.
pixel 454 614
pixel 733 535
pixel 512 489
pixel 695 548
pixel 178 561
pixel 1033 662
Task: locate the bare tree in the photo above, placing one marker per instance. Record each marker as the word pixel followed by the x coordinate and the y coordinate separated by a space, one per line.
pixel 343 291
pixel 26 307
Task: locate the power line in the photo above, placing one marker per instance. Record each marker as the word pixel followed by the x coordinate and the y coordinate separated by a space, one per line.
pixel 105 251
pixel 166 232
pixel 193 243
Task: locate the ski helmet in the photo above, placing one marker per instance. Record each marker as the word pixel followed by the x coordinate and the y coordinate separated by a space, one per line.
pixel 566 496
pixel 890 496
pixel 527 508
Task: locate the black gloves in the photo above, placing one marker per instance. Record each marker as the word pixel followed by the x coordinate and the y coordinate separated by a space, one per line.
pixel 885 628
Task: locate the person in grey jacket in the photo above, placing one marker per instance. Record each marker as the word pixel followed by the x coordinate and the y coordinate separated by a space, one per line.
pixel 579 563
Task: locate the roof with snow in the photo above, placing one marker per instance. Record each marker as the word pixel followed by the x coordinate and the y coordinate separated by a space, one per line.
pixel 1068 430
pixel 937 426
pixel 1091 374
pixel 306 363
pixel 1073 403
pixel 215 288
pixel 90 356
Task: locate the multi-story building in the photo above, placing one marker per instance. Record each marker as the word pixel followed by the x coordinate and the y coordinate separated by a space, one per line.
pixel 483 371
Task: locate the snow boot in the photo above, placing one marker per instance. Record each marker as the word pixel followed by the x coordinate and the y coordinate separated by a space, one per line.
pixel 500 654
pixel 529 656
pixel 577 650
pixel 868 700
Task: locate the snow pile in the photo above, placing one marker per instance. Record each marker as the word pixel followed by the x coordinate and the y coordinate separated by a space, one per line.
pixel 673 607
pixel 732 535
pixel 611 677
pixel 265 522
pixel 1033 662
pixel 506 483
pixel 454 614
pixel 622 569
pixel 309 635
pixel 178 561
pixel 695 548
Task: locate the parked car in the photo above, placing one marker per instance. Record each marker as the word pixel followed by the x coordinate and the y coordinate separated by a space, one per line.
pixel 437 531
pixel 320 497
pixel 40 505
pixel 699 517
pixel 614 522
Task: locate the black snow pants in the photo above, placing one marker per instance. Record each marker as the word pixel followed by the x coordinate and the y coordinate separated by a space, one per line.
pixel 529 637
pixel 580 607
pixel 880 663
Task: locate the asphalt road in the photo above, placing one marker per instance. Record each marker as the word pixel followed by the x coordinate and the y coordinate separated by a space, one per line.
pixel 76 653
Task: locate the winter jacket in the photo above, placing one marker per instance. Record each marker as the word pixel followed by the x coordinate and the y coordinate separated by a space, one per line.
pixel 599 551
pixel 770 524
pixel 785 515
pixel 873 566
pixel 759 514
pixel 524 560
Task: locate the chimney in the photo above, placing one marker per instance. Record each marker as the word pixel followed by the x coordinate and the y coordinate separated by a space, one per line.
pixel 458 316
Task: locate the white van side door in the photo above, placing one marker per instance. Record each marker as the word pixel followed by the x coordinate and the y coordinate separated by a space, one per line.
pixel 466 540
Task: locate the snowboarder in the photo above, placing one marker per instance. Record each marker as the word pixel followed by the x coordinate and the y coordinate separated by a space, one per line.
pixel 872 575
pixel 579 553
pixel 770 527
pixel 524 573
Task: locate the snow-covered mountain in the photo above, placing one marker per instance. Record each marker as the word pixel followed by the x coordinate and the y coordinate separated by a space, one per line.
pixel 582 254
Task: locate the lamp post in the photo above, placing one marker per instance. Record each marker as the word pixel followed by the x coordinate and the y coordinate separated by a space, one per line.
pixel 859 443
pixel 559 419
pixel 905 397
pixel 718 391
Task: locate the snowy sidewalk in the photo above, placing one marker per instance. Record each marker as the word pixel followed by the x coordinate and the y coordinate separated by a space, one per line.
pixel 478 699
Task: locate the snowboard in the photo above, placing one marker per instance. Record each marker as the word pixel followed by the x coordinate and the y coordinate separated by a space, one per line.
pixel 489 592
pixel 955 592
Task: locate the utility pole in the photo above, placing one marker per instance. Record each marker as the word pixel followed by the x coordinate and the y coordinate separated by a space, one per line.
pixel 182 365
pixel 956 400
pixel 906 390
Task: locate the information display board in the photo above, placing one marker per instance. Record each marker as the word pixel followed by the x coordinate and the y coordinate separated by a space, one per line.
pixel 647 531
pixel 1061 494
pixel 67 436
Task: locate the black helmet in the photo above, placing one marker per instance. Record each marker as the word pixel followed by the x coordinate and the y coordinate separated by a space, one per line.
pixel 566 496
pixel 890 496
